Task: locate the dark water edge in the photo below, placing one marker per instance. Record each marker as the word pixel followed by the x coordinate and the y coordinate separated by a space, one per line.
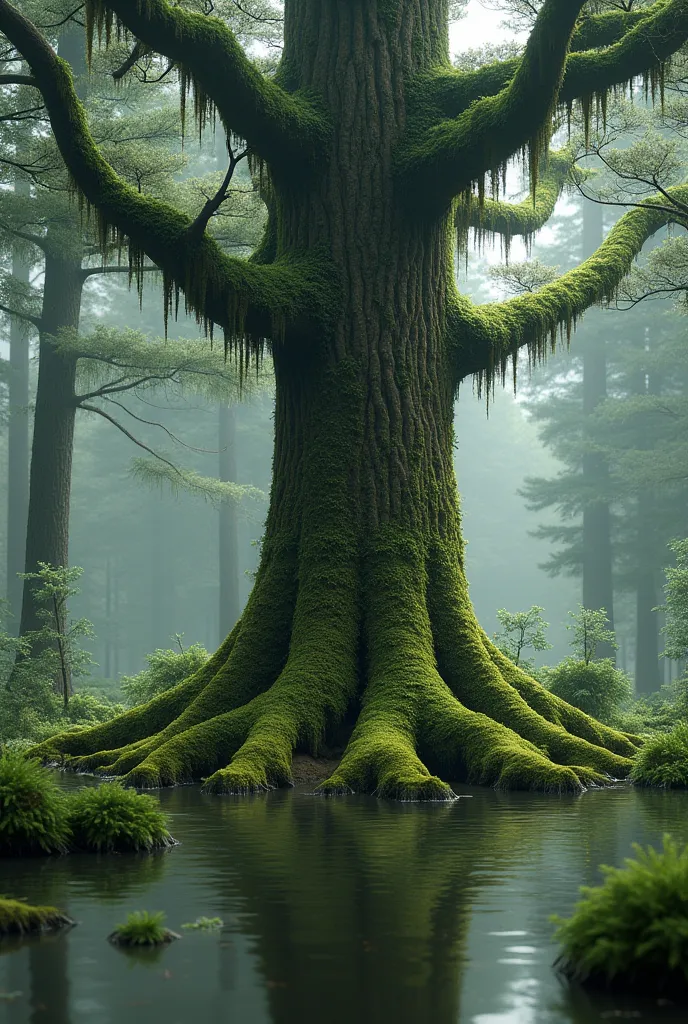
pixel 349 911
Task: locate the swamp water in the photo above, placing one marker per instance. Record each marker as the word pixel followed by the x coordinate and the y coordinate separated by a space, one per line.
pixel 350 911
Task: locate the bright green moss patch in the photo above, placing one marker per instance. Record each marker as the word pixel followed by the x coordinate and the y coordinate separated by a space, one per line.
pixel 204 924
pixel 631 933
pixel 33 811
pixel 142 929
pixel 663 760
pixel 20 918
pixel 111 819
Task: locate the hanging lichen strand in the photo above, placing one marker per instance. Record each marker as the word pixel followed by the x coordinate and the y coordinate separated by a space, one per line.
pixel 376 156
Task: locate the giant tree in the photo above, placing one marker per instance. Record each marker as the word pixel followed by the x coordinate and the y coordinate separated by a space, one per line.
pixel 360 610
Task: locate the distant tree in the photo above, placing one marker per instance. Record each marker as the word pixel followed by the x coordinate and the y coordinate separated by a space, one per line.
pixel 676 603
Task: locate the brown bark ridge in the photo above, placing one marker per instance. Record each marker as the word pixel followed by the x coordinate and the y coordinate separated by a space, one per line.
pixel 359 631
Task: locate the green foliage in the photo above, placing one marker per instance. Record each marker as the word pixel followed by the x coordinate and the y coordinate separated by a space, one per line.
pixel 521 631
pixel 165 669
pixel 205 924
pixel 676 594
pixel 632 931
pixel 142 928
pixel 589 631
pixel 663 759
pixel 20 918
pixel 111 819
pixel 597 687
pixel 87 709
pixel 33 811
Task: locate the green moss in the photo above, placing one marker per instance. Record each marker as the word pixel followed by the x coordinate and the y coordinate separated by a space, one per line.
pixel 110 819
pixel 663 760
pixel 142 929
pixel 631 933
pixel 33 815
pixel 20 918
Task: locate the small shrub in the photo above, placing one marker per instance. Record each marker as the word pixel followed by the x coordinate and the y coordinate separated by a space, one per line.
pixel 87 709
pixel 33 811
pixel 111 819
pixel 165 670
pixel 632 931
pixel 598 688
pixel 663 759
pixel 19 918
pixel 142 929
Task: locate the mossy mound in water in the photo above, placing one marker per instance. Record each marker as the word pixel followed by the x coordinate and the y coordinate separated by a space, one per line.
pixel 111 819
pixel 663 760
pixel 33 810
pixel 19 918
pixel 142 929
pixel 631 933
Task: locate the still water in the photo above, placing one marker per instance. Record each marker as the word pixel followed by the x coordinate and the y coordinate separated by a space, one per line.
pixel 347 911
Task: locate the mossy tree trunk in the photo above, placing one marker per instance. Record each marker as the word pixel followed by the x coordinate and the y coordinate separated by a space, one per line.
pixel 360 612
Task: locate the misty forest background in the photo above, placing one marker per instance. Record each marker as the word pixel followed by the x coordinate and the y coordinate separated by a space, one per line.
pixel 159 560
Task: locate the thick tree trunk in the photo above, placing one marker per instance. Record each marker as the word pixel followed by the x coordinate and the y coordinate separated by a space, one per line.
pixel 598 588
pixel 47 537
pixel 360 616
pixel 17 448
pixel 229 608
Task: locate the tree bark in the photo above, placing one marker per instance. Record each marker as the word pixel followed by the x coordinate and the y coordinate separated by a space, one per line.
pixel 598 586
pixel 229 609
pixel 17 445
pixel 47 537
pixel 359 622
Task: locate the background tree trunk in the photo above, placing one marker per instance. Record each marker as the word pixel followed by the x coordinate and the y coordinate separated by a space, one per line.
pixel 598 586
pixel 18 444
pixel 229 609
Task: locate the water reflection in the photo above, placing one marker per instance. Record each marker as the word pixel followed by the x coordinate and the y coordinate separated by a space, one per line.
pixel 347 910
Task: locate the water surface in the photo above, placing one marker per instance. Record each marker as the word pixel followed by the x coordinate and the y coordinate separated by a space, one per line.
pixel 349 911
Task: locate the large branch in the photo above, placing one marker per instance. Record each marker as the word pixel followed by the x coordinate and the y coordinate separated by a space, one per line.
pixel 243 298
pixel 283 129
pixel 606 50
pixel 484 338
pixel 511 220
pixel 444 160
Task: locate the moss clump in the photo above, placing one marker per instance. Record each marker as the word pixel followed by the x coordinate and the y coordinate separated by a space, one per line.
pixel 19 918
pixel 142 929
pixel 111 819
pixel 663 760
pixel 632 932
pixel 33 811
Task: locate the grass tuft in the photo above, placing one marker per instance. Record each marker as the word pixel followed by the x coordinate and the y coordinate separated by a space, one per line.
pixel 631 933
pixel 20 918
pixel 111 819
pixel 663 760
pixel 142 929
pixel 33 811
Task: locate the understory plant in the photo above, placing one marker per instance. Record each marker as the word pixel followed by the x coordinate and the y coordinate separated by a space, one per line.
pixel 663 759
pixel 631 933
pixel 111 819
pixel 20 918
pixel 596 687
pixel 165 669
pixel 142 928
pixel 33 810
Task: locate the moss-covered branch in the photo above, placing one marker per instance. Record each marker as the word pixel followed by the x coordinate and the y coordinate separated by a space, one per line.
pixel 605 50
pixel 511 220
pixel 486 337
pixel 280 128
pixel 250 302
pixel 641 51
pixel 444 160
